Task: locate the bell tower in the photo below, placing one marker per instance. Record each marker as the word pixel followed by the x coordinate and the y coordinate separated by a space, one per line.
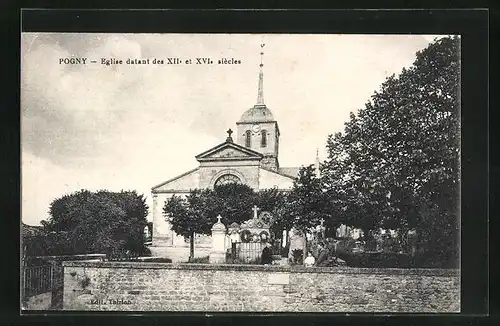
pixel 258 130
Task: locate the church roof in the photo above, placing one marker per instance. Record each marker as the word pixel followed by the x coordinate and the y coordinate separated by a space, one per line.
pixel 289 171
pixel 181 183
pixel 228 151
pixel 271 178
pixel 258 113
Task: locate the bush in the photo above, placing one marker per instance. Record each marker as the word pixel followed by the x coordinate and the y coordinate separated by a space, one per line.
pixel 199 260
pixel 298 256
pixel 375 259
pixel 284 251
pixel 391 260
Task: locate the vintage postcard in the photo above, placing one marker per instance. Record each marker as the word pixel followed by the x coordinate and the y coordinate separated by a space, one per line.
pixel 240 172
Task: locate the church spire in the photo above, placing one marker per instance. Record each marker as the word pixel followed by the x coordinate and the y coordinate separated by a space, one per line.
pixel 260 92
pixel 317 163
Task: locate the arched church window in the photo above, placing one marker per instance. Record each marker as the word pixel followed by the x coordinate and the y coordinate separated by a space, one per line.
pixel 248 135
pixel 263 140
pixel 227 178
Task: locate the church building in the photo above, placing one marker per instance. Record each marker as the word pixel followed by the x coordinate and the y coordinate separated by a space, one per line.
pixel 249 155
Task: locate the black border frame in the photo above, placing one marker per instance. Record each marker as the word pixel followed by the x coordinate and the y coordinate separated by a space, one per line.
pixel 471 24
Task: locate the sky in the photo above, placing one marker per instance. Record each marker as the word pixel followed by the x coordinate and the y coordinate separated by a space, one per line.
pixel 132 127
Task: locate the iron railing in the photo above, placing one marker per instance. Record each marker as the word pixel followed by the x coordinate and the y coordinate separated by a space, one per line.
pixel 37 280
pixel 245 253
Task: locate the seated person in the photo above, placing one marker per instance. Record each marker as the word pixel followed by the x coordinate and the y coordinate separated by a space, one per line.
pixel 310 260
pixel 323 255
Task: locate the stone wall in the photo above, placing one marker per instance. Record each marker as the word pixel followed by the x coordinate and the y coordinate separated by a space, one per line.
pixel 56 295
pixel 39 302
pixel 203 287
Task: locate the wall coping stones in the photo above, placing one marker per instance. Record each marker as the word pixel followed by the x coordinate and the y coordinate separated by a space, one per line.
pixel 264 268
pixel 71 257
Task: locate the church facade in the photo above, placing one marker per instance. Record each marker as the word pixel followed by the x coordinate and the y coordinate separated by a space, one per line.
pixel 251 157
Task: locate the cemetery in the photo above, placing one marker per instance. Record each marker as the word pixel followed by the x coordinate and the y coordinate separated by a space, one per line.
pixel 245 272
pixel 235 278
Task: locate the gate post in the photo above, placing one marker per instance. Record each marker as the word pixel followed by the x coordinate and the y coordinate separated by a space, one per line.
pixel 57 279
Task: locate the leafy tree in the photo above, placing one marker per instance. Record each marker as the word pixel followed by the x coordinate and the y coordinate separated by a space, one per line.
pixel 197 213
pixel 306 200
pixel 234 202
pixel 190 215
pixel 397 163
pixel 96 222
pixel 277 203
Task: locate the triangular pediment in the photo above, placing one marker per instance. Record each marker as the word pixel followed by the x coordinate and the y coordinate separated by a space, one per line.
pixel 229 151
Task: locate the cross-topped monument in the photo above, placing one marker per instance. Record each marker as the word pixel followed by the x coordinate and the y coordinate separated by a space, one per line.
pixel 255 209
pixel 229 138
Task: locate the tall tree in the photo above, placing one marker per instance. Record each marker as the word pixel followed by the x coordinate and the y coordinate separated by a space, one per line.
pixel 234 202
pixel 199 210
pixel 306 200
pixel 276 202
pixel 191 215
pixel 97 222
pixel 397 162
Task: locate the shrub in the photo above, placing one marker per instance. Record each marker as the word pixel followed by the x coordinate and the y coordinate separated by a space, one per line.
pixel 199 260
pixel 284 251
pixel 298 256
pixel 391 260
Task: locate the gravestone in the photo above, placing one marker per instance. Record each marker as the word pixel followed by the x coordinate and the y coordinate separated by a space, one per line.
pixel 254 234
pixel 218 252
pixel 357 233
pixel 343 231
pixel 412 241
pixel 297 242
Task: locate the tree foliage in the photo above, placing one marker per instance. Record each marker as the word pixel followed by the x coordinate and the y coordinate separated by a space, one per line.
pixel 96 222
pixel 306 201
pixel 277 203
pixel 198 211
pixel 396 164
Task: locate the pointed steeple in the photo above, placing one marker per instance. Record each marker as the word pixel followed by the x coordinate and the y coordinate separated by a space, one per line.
pixel 260 91
pixel 317 163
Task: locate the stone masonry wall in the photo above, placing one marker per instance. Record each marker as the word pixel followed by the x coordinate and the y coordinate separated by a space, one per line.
pixel 203 287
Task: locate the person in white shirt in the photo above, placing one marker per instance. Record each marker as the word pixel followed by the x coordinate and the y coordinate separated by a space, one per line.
pixel 309 261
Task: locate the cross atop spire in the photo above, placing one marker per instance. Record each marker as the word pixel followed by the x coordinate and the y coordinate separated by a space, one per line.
pixel 229 138
pixel 260 92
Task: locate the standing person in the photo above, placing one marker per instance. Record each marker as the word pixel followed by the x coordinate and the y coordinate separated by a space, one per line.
pixel 267 256
pixel 323 255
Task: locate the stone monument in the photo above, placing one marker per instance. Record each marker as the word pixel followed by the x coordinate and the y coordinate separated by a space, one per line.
pixel 218 252
pixel 254 234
